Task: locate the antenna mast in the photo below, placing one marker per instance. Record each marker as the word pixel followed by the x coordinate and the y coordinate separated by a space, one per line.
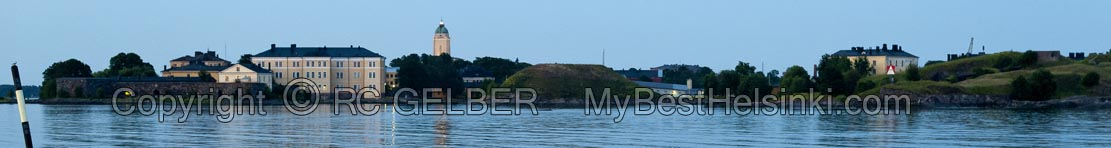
pixel 603 56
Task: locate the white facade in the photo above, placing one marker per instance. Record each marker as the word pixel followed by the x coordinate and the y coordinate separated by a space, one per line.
pixel 241 74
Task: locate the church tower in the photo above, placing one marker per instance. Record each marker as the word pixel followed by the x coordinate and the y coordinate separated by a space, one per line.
pixel 441 42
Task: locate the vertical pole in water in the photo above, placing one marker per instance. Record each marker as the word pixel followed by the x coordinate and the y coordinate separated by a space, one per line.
pixel 22 111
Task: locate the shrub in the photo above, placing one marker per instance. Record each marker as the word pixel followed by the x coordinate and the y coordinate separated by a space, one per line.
pixel 1020 88
pixel 913 73
pixel 952 79
pixel 1029 58
pixel 864 85
pixel 1090 79
pixel 980 71
pixel 1040 87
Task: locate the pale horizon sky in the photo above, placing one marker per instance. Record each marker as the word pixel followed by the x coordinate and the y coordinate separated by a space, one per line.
pixel 635 34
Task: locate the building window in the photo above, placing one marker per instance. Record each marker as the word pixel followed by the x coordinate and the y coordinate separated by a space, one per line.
pixel 339 75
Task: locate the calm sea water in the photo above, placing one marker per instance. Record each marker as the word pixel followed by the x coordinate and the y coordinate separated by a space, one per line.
pixel 97 125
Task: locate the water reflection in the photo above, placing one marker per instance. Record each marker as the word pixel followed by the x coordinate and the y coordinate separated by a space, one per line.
pixel 97 125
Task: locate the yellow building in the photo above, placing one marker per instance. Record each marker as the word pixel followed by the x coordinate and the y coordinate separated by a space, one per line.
pixel 191 66
pixel 881 57
pixel 391 77
pixel 328 67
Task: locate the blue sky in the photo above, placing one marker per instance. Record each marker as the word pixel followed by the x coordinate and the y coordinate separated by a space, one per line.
pixel 635 33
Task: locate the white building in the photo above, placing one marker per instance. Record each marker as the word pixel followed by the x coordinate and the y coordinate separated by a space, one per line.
pixel 239 73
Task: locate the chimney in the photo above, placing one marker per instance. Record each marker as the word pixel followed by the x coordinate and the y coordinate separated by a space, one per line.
pixel 272 46
pixel 292 45
pixel 815 70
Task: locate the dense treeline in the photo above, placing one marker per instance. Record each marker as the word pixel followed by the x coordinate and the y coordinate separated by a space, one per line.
pixel 428 71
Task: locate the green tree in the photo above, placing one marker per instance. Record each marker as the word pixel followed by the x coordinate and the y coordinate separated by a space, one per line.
pixel 127 65
pixel 1043 84
pixel 795 80
pixel 204 75
pixel 1040 87
pixel 851 78
pixel 1029 58
pixel 67 68
pixel 500 68
pixel 425 71
pixel 743 68
pixel 711 83
pixel 751 83
pixel 729 79
pixel 698 81
pixel 773 77
pixel 913 74
pixel 245 59
pixel 1004 63
pixel 677 76
pixel 831 75
pixel 1090 79
pixel 863 67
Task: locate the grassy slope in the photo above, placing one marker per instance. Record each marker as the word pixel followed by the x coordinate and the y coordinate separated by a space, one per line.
pixel 1066 72
pixel 1067 77
pixel 964 66
pixel 569 80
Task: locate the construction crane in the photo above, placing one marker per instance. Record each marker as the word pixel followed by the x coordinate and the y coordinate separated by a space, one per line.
pixel 970 45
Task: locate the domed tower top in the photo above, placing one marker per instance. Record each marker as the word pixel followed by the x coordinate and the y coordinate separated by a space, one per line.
pixel 441 29
pixel 441 42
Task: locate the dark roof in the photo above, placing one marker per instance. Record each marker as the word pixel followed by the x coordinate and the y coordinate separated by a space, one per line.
pixel 638 73
pixel 441 29
pixel 256 68
pixel 874 52
pixel 661 85
pixel 199 57
pixel 474 71
pixel 184 58
pixel 317 52
pixel 198 67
